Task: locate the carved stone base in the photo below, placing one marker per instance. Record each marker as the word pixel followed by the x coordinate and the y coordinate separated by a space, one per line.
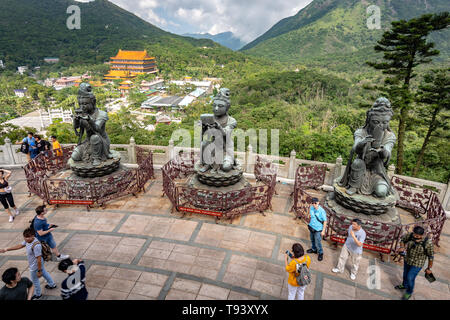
pixel 390 216
pixel 87 170
pixel 216 179
pixel 360 203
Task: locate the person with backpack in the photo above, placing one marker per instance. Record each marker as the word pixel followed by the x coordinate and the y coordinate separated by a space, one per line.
pixel 317 226
pixel 352 247
pixel 415 249
pixel 35 262
pixel 28 146
pixel 42 145
pixel 44 231
pixel 6 197
pixel 74 286
pixel 298 270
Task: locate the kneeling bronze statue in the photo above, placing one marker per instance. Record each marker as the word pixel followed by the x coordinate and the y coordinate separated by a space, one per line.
pixel 366 174
pixel 88 118
pixel 91 157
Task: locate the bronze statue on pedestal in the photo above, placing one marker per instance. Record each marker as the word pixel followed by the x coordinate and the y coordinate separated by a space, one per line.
pixel 373 146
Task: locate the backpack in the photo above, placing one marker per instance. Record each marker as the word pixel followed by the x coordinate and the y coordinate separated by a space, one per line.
pixel 24 147
pixel 304 275
pixel 48 144
pixel 46 250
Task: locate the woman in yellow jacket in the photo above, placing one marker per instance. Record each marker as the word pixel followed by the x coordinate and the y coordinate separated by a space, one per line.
pixel 298 257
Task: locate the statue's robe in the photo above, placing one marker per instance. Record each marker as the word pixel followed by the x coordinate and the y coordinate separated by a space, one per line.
pixel 375 167
pixel 97 143
pixel 228 124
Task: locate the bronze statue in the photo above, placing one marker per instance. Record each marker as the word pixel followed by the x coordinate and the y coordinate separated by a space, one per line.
pixel 373 146
pixel 88 118
pixel 216 135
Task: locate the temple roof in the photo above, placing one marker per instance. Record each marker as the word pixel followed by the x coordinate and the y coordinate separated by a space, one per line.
pixel 132 55
pixel 119 74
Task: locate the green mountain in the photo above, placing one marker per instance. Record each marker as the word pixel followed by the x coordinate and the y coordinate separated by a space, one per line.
pixel 338 28
pixel 31 30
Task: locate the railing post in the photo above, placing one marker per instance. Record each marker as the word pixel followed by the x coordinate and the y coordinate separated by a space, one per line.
pixel 391 171
pixel 445 202
pixel 291 173
pixel 337 169
pixel 9 151
pixel 132 151
pixel 250 159
pixel 171 153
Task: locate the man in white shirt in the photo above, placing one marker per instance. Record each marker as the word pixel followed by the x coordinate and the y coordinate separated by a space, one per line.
pixel 353 247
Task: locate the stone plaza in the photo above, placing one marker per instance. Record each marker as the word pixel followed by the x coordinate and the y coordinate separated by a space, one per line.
pixel 136 248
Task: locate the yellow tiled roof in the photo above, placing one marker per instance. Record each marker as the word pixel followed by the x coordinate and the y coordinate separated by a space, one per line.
pixel 132 55
pixel 119 74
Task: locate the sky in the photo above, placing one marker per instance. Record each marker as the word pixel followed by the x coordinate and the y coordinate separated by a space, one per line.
pixel 247 19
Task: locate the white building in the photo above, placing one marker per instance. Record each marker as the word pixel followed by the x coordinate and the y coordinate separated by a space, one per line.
pixel 155 84
pixel 49 82
pixel 197 93
pixel 20 92
pixel 47 116
pixel 22 69
pixel 51 60
pixel 205 85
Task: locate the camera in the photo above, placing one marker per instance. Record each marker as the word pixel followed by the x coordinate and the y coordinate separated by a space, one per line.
pixel 289 254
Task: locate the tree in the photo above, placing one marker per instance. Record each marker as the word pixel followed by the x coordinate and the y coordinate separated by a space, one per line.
pixel 435 94
pixel 63 131
pixel 405 47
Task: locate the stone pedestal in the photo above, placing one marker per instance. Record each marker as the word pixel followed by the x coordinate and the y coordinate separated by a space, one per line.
pixel 391 215
pixel 367 204
pixel 69 175
pixel 87 170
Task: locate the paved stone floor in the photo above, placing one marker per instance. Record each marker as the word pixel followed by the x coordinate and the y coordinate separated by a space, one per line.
pixel 137 249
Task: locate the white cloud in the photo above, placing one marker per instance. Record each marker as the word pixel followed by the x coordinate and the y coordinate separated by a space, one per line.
pixel 246 19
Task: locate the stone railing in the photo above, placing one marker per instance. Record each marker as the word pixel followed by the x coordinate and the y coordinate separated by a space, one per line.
pixel 286 166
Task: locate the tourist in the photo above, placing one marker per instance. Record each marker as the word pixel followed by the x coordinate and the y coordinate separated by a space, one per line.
pixel 56 146
pixel 353 247
pixel 44 231
pixel 35 262
pixel 73 287
pixel 6 197
pixel 317 227
pixel 16 287
pixel 298 257
pixel 42 145
pixel 32 149
pixel 416 250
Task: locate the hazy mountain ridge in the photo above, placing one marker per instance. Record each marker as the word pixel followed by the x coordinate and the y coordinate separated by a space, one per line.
pixel 226 39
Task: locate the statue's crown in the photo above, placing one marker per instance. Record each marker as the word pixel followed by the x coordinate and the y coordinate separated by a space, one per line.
pixel 223 95
pixel 85 90
pixel 382 101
